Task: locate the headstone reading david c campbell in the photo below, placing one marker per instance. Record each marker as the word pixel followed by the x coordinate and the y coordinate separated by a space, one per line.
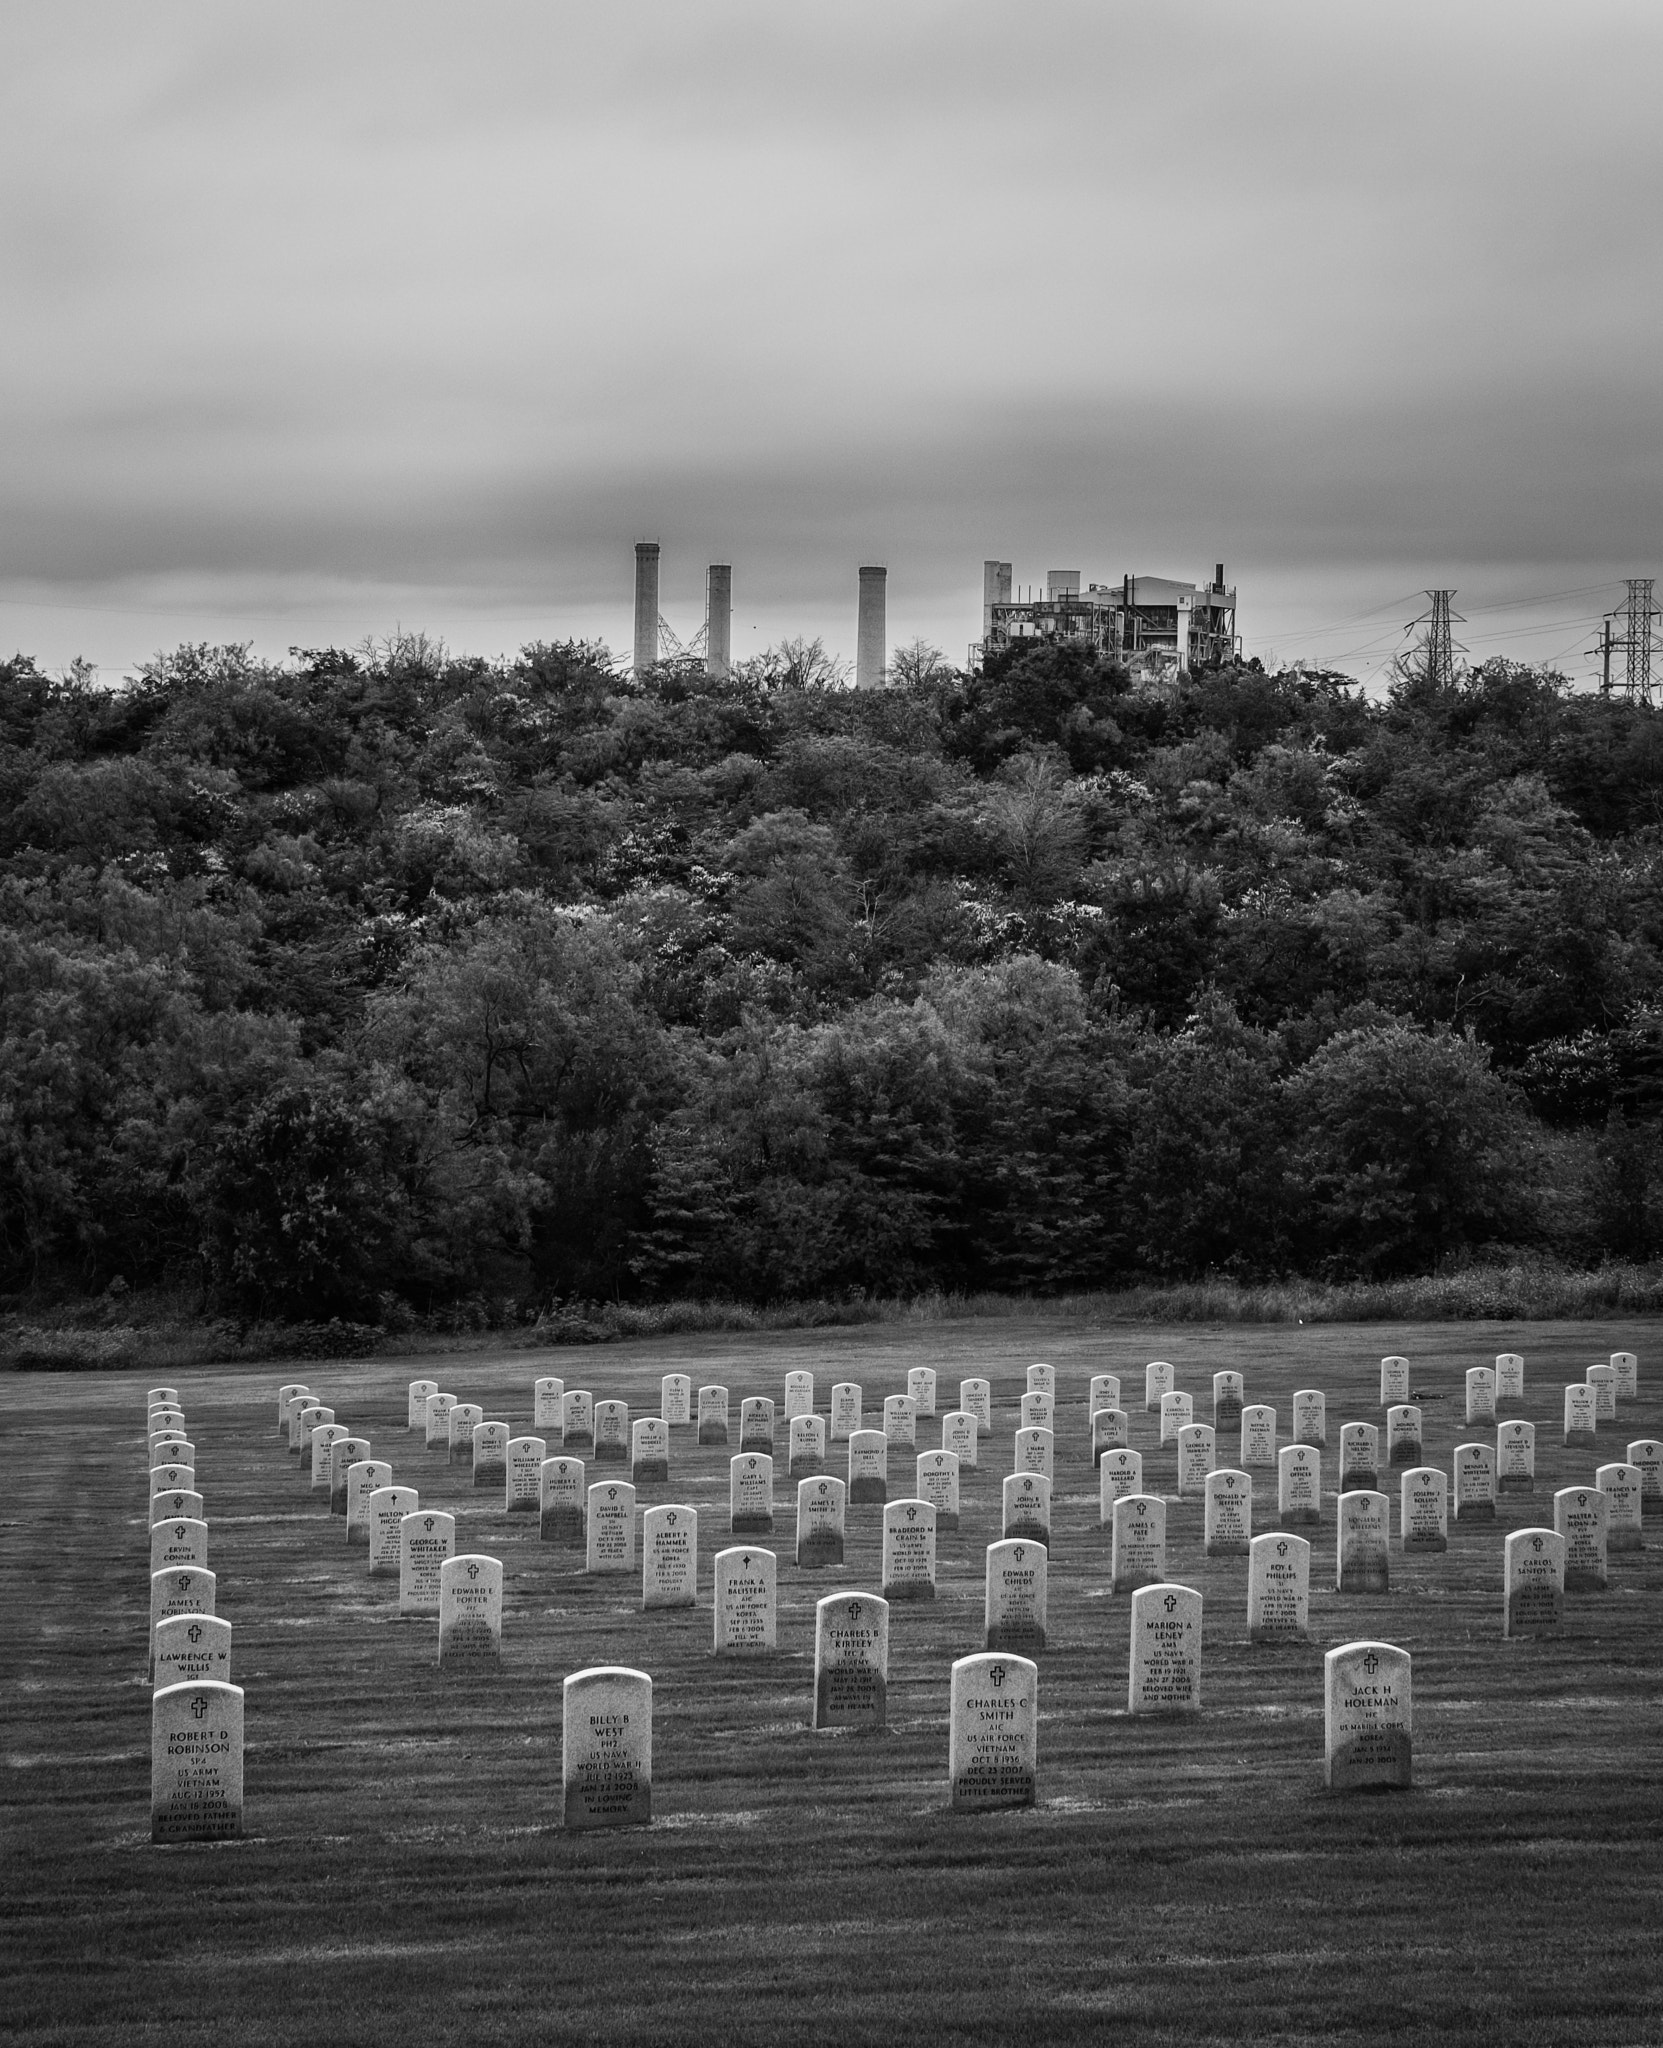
pixel 577 1420
pixel 1195 1459
pixel 1027 1508
pixel 1229 1395
pixel 190 1648
pixel 909 1550
pixel 1423 1509
pixel 1362 1551
pixel 799 1395
pixel 1310 1418
pixel 436 1422
pixel 845 1411
pixel 1227 1514
pixel 1579 1516
pixel 675 1400
pixel 344 1453
pixel 415 1402
pixel 993 1743
pixel 958 1435
pixel 609 1525
pixel 669 1557
pixel 177 1544
pixel 900 1421
pixel 1042 1379
pixel 751 1494
pixel 1475 1483
pixel 470 1614
pixel 1278 1589
pixel 1533 1583
pixel 461 1423
pixel 744 1602
pixel 490 1454
pixel 1137 1549
pixel 1603 1382
pixel 976 1399
pixel 1626 1366
pixel 523 1475
pixel 1298 1486
pixel 385 1514
pixel 1258 1437
pixel 1481 1394
pixel 1368 1727
pixel 1158 1382
pixel 367 1476
pixel 806 1446
pixel 1036 1451
pixel 1165 1676
pixel 921 1389
pixel 1516 1457
pixel 1509 1376
pixel 756 1423
pixel 1111 1430
pixel 548 1409
pixel 937 1482
pixel 649 1450
pixel 1620 1484
pixel 869 1466
pixel 1403 1435
pixel 609 1420
pixel 1394 1381
pixel 820 1519
pixel 562 1498
pixel 1118 1474
pixel 1645 1454
pixel 606 1747
pixel 1015 1596
pixel 186 1589
pixel 851 1661
pixel 1579 1418
pixel 426 1539
pixel 196 1762
pixel 713 1415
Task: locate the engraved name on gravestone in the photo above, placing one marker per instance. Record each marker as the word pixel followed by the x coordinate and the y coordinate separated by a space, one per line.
pixel 799 1394
pixel 387 1508
pixel 1403 1435
pixel 900 1421
pixel 1027 1507
pixel 1359 1457
pixel 307 1416
pixel 909 1550
pixel 577 1419
pixel 436 1423
pixel 1227 1513
pixel 1137 1543
pixel 344 1453
pixel 744 1602
pixel 1509 1376
pixel 820 1519
pixel 751 1494
pixel 1015 1596
pixel 756 1423
pixel 1177 1412
pixel 1394 1381
pixel 1474 1474
pixel 426 1539
pixel 185 1589
pixel 1533 1583
pixel 1103 1391
pixel 157 1395
pixel 1298 1486
pixel 851 1661
pixel 172 1479
pixel 921 1389
pixel 1362 1551
pixel 649 1450
pixel 610 1423
pixel 1423 1509
pixel 1579 1418
pixel 845 1411
pixel 1310 1418
pixel 178 1543
pixel 713 1415
pixel 523 1476
pixel 324 1439
pixel 937 1482
pixel 1036 1451
pixel 1579 1516
pixel 415 1402
pixel 976 1401
pixel 606 1747
pixel 183 1504
pixel 1119 1473
pixel 806 1446
pixel 171 1447
pixel 1367 1719
pixel 993 1743
pixel 1645 1454
pixel 1516 1457
pixel 1036 1411
pixel 1165 1675
pixel 470 1614
pixel 1602 1381
pixel 958 1435
pixel 609 1525
pixel 285 1394
pixel 675 1400
pixel 1229 1395
pixel 562 1499
pixel 1481 1394
pixel 1042 1379
pixel 1278 1589
pixel 1620 1483
pixel 364 1478
pixel 1258 1437
pixel 669 1557
pixel 869 1466
pixel 192 1647
pixel 464 1419
pixel 1626 1366
pixel 548 1409
pixel 1157 1384
pixel 1195 1459
pixel 1111 1430
pixel 490 1454
pixel 196 1762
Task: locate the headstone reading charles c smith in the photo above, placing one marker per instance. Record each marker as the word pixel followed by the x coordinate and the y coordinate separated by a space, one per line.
pixel 993 1744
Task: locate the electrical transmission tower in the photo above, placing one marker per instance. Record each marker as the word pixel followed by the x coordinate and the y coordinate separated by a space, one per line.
pixel 1438 648
pixel 1637 637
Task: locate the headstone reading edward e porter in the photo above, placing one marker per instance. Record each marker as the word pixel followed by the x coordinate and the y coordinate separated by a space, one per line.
pixel 470 1614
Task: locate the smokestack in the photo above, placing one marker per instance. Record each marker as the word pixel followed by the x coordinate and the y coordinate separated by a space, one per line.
pixel 718 619
pixel 996 589
pixel 646 604
pixel 872 632
pixel 1218 580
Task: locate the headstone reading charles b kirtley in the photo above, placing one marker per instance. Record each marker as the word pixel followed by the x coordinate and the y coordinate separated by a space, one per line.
pixel 196 1762
pixel 1367 1720
pixel 1165 1675
pixel 744 1602
pixel 1278 1589
pixel 993 1743
pixel 851 1661
pixel 606 1747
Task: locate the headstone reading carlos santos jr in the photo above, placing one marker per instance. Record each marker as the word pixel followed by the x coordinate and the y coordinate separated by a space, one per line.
pixel 1533 1596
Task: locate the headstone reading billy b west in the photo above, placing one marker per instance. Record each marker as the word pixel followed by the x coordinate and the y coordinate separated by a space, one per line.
pixel 606 1747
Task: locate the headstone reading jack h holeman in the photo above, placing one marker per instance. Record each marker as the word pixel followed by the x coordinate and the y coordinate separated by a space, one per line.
pixel 1367 1717
pixel 1165 1676
pixel 196 1762
pixel 1533 1596
pixel 1278 1589
pixel 993 1746
pixel 851 1661
pixel 470 1614
pixel 744 1602
pixel 606 1747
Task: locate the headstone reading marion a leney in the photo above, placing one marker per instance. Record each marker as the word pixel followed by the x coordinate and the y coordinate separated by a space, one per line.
pixel 993 1744
pixel 1165 1676
pixel 851 1661
pixel 1367 1716
pixel 196 1762
pixel 606 1747
pixel 744 1602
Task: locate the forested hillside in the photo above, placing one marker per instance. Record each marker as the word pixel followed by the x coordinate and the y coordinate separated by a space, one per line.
pixel 376 982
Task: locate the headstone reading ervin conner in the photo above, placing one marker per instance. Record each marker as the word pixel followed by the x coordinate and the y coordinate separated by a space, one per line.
pixel 176 1543
pixel 196 1762
pixel 851 1661
pixel 993 1744
pixel 1367 1717
pixel 606 1747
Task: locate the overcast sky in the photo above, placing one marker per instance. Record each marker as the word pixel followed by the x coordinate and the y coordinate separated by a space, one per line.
pixel 323 320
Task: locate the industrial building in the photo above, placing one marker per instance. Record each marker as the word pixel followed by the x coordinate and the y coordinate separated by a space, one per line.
pixel 1147 619
pixel 653 637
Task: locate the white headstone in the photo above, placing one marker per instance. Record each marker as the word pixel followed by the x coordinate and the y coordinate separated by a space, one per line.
pixel 909 1550
pixel 1036 1410
pixel 1158 1381
pixel 1533 1596
pixel 1042 1379
pixel 344 1453
pixel 190 1648
pixel 1362 1551
pixel 1509 1376
pixel 806 1446
pixel 490 1454
pixel 1138 1542
pixel 1481 1394
pixel 165 1479
pixel 1516 1457
pixel 1177 1412
pixel 675 1400
pixel 1579 1418
pixel 171 1447
pixel 1298 1486
pixel 669 1557
pixel 388 1506
pixel 921 1389
pixel 416 1398
pixel 869 1466
pixel 470 1614
pixel 1229 1398
pixel 1646 1455
pixel 1016 1596
pixel 562 1501
pixel 1258 1437
pixel 185 1589
pixel 1310 1417
pixel 1110 1431
pixel 1626 1366
pixel 713 1415
pixel 1394 1381
pixel 756 1423
pixel 1166 1651
pixel 464 1419
pixel 1474 1474
pixel 1403 1435
pixel 1423 1509
pixel 1579 1516
pixel 523 1477
pixel 960 1436
pixel 993 1747
pixel 649 1450
pixel 1227 1513
pixel 610 1422
pixel 1359 1457
pixel 366 1477
pixel 799 1394
pixel 1027 1507
pixel 751 1494
pixel 426 1539
pixel 1195 1459
pixel 1620 1483
pixel 304 1417
pixel 976 1399
pixel 606 1747
pixel 323 1440
pixel 177 1543
pixel 196 1762
pixel 938 1483
pixel 436 1422
pixel 1104 1392
pixel 1368 1725
pixel 1036 1451
pixel 609 1523
pixel 900 1421
pixel 184 1503
pixel 845 1411
pixel 157 1394
pixel 851 1661
pixel 1119 1473
pixel 744 1602
pixel 820 1514
pixel 1278 1589
pixel 577 1420
pixel 1603 1381
pixel 548 1409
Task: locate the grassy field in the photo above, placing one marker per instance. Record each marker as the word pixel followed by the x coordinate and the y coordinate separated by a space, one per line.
pixel 405 1877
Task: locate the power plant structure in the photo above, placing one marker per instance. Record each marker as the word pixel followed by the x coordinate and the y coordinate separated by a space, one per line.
pixel 1146 619
pixel 654 639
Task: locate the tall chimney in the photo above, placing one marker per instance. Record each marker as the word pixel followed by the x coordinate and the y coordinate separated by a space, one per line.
pixel 872 632
pixel 1218 580
pixel 718 619
pixel 996 589
pixel 646 604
